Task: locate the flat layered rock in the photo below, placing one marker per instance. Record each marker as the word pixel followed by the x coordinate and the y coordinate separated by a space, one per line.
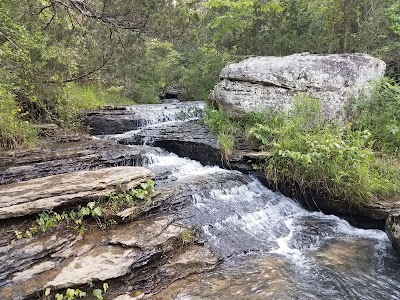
pixel 73 153
pixel 142 255
pixel 32 196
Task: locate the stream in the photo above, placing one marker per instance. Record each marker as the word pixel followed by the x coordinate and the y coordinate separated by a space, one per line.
pixel 271 247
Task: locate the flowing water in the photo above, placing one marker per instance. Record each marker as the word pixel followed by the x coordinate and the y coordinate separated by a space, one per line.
pixel 271 247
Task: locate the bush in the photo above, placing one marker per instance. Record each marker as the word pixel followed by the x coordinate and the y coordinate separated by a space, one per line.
pixel 312 154
pixel 381 116
pixel 306 151
pixel 79 97
pixel 225 129
pixel 14 132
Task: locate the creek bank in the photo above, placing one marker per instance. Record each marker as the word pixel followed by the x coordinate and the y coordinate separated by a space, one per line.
pixel 142 255
pixel 146 249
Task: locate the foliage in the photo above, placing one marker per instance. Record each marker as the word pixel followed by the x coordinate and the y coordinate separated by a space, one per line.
pixel 77 97
pixel 132 196
pixel 71 294
pixel 13 131
pixel 74 218
pixel 304 150
pixel 225 129
pixel 187 236
pixel 381 116
pixel 47 220
pixel 201 71
pixel 312 154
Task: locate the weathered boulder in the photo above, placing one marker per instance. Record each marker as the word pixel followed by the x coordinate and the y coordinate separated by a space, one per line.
pixel 393 230
pixel 32 196
pixel 271 82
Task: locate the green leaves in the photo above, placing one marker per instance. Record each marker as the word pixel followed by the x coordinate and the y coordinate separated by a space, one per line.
pixel 142 193
pixel 98 294
pixel 310 153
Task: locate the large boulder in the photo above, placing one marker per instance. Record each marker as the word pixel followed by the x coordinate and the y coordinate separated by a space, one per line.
pixel 271 82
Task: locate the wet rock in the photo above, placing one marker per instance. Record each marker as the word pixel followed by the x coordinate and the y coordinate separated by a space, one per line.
pixel 172 92
pixel 192 139
pixel 30 257
pixel 32 196
pixel 129 297
pixel 106 122
pixel 131 257
pixel 271 82
pixel 187 139
pixel 98 264
pixel 263 278
pixel 393 230
pixel 73 153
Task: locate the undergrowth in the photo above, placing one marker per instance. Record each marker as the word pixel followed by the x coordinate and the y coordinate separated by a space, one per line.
pixel 14 132
pixel 78 97
pixel 310 153
pixel 381 116
pixel 224 128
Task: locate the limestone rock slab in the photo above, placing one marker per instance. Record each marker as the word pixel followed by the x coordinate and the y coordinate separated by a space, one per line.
pixel 32 196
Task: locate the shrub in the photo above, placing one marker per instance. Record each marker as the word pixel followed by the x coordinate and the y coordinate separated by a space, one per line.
pixel 79 97
pixel 381 116
pixel 308 152
pixel 225 129
pixel 14 132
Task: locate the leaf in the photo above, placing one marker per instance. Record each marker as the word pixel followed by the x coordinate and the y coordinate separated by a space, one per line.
pixel 91 205
pixel 96 212
pixel 98 294
pixel 47 291
pixel 59 296
pixel 82 294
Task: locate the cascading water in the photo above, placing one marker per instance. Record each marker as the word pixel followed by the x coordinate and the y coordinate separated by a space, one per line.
pixel 271 247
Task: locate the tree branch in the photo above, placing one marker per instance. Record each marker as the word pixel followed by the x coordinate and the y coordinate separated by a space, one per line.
pixel 105 61
pixel 81 7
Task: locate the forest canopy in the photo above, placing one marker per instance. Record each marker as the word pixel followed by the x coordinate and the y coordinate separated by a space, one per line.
pixel 60 56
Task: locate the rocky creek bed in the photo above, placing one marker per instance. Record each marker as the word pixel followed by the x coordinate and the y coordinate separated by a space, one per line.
pixel 207 233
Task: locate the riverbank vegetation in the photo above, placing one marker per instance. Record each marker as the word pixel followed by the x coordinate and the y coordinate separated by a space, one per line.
pixel 354 161
pixel 57 57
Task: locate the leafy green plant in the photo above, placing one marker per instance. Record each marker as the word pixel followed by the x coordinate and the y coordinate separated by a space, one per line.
pixel 187 236
pixel 71 294
pixel 312 154
pixel 131 197
pixel 14 132
pixel 47 220
pixel 381 116
pixel 225 129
